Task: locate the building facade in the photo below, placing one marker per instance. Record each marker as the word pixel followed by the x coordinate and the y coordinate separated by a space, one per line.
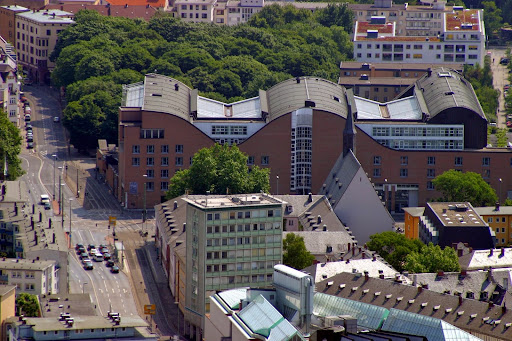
pixel 34 277
pixel 36 37
pixel 9 84
pixel 499 219
pixel 8 21
pixel 232 241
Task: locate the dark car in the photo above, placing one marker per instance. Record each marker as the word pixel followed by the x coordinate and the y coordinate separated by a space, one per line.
pixel 81 250
pixel 88 265
pixel 107 256
pixel 78 246
pixel 91 246
pixel 504 61
pixel 103 249
pixel 84 255
pixel 114 269
pixel 109 263
pixel 47 205
pixel 28 128
pixel 30 145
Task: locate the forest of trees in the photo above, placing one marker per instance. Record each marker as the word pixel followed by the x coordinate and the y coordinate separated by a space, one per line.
pixel 98 54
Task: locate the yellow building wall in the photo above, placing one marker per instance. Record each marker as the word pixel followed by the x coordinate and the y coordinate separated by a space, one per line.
pixel 411 226
pixel 7 309
pixel 501 225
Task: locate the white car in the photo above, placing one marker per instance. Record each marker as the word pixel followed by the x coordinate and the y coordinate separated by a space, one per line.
pixel 56 119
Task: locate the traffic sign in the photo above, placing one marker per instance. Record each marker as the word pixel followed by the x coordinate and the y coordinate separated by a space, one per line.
pixel 150 309
pixel 112 220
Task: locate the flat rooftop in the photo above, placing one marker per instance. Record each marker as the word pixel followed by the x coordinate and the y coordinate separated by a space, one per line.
pixel 456 214
pixel 236 200
pixel 465 20
pixel 25 264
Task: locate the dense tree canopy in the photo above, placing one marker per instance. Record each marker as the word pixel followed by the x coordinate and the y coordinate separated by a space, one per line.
pixel 27 305
pixel 394 247
pixel 469 186
pixel 295 254
pixel 10 148
pixel 220 170
pixel 431 258
pixel 227 63
pixel 481 79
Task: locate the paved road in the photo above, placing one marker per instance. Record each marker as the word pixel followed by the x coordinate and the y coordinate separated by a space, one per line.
pixel 500 78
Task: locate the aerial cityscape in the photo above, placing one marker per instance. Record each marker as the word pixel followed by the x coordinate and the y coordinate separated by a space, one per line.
pixel 255 170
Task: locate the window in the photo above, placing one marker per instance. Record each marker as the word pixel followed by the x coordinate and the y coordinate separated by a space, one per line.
pixel 136 149
pixel 404 160
pixel 431 173
pixel 250 160
pixel 150 186
pixel 164 186
pixel 135 161
pixel 487 173
pixel 264 160
pixel 164 149
pixel 179 149
pixel 164 173
pixel 150 149
pixel 489 220
pixel 150 173
pixel 376 173
pixel 404 172
pixel 458 161
pixel 486 161
pixel 152 133
pixel 431 160
pixel 150 161
pixel 377 160
pixel 164 161
pixel 430 185
pixel 48 32
pixel 178 161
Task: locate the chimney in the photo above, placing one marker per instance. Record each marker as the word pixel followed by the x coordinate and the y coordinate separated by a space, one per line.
pixel 33 260
pixel 325 227
pixel 460 300
pixel 175 205
pixel 491 252
pixel 381 276
pixel 374 258
pixel 176 87
pixel 184 227
pixel 298 80
pixel 420 289
pixel 502 254
pixel 497 206
pixel 429 72
pixel 366 275
pixel 310 197
pixel 54 238
pixel 363 255
pixel 349 244
pixel 319 219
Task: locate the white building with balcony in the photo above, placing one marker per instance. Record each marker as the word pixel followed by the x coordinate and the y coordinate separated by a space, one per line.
pixel 32 276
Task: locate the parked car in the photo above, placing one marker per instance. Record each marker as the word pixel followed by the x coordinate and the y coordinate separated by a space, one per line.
pixel 47 206
pixel 78 246
pixel 84 255
pixel 30 145
pixel 28 126
pixel 30 138
pixel 114 269
pixel 85 260
pixel 509 124
pixel 109 263
pixel 91 246
pixel 504 61
pixel 92 252
pixel 56 119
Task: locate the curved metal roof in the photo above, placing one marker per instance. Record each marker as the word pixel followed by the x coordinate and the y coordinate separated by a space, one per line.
pixel 444 88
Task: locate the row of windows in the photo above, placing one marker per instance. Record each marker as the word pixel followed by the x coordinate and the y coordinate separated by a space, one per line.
pixel 240 266
pixel 242 228
pixel 164 161
pixel 19 274
pixel 191 7
pixel 236 254
pixel 229 130
pixel 449 57
pixel 224 280
pixel 243 241
pixel 164 149
pixel 418 131
pixel 431 160
pixel 27 287
pixel 422 144
pixel 243 215
pixel 80 331
pixel 152 133
pixel 497 220
pixel 150 186
pixel 191 15
pixel 431 173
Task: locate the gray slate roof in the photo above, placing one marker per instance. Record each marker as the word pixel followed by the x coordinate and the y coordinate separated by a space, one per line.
pixel 340 177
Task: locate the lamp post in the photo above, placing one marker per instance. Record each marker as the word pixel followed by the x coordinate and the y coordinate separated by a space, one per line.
pixel 277 182
pixel 60 184
pixel 499 199
pixel 83 287
pixel 178 308
pixel 144 202
pixel 70 241
pixel 54 158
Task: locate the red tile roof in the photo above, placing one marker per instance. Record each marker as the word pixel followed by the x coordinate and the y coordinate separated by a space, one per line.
pixel 455 21
pixel 400 38
pixel 364 26
pixel 152 3
pixel 145 12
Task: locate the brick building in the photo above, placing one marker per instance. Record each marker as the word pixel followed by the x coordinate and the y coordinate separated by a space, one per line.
pixel 296 129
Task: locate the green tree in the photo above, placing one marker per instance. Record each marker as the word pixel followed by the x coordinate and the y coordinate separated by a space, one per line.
pixel 219 169
pixel 336 15
pixel 469 186
pixel 431 258
pixel 27 305
pixel 10 148
pixel 295 254
pixel 394 247
pixel 492 17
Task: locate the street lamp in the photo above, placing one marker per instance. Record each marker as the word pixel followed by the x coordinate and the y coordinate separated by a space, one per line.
pixel 54 158
pixel 178 306
pixel 61 198
pixel 60 184
pixel 70 241
pixel 277 181
pixel 83 287
pixel 499 199
pixel 144 209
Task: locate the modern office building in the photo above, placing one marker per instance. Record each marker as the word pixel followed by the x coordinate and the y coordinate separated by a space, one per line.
pixel 295 128
pixel 232 241
pixel 461 39
pixel 36 37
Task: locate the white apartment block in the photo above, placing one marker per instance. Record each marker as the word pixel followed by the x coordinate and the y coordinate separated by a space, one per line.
pixel 462 40
pixel 239 12
pixel 195 10
pixel 36 37
pixel 9 85
pixel 35 277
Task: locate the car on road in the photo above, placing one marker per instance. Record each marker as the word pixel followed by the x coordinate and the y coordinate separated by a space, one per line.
pixel 30 138
pixel 98 257
pixel 107 256
pixel 47 206
pixel 81 250
pixel 114 269
pixel 109 263
pixel 28 127
pixel 88 265
pixel 84 255
pixel 78 246
pixel 30 134
pixel 103 249
pixel 509 124
pixel 85 260
pixel 44 198
pixel 56 119
pixel 30 145
pixel 504 61
pixel 91 246
pixel 92 252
